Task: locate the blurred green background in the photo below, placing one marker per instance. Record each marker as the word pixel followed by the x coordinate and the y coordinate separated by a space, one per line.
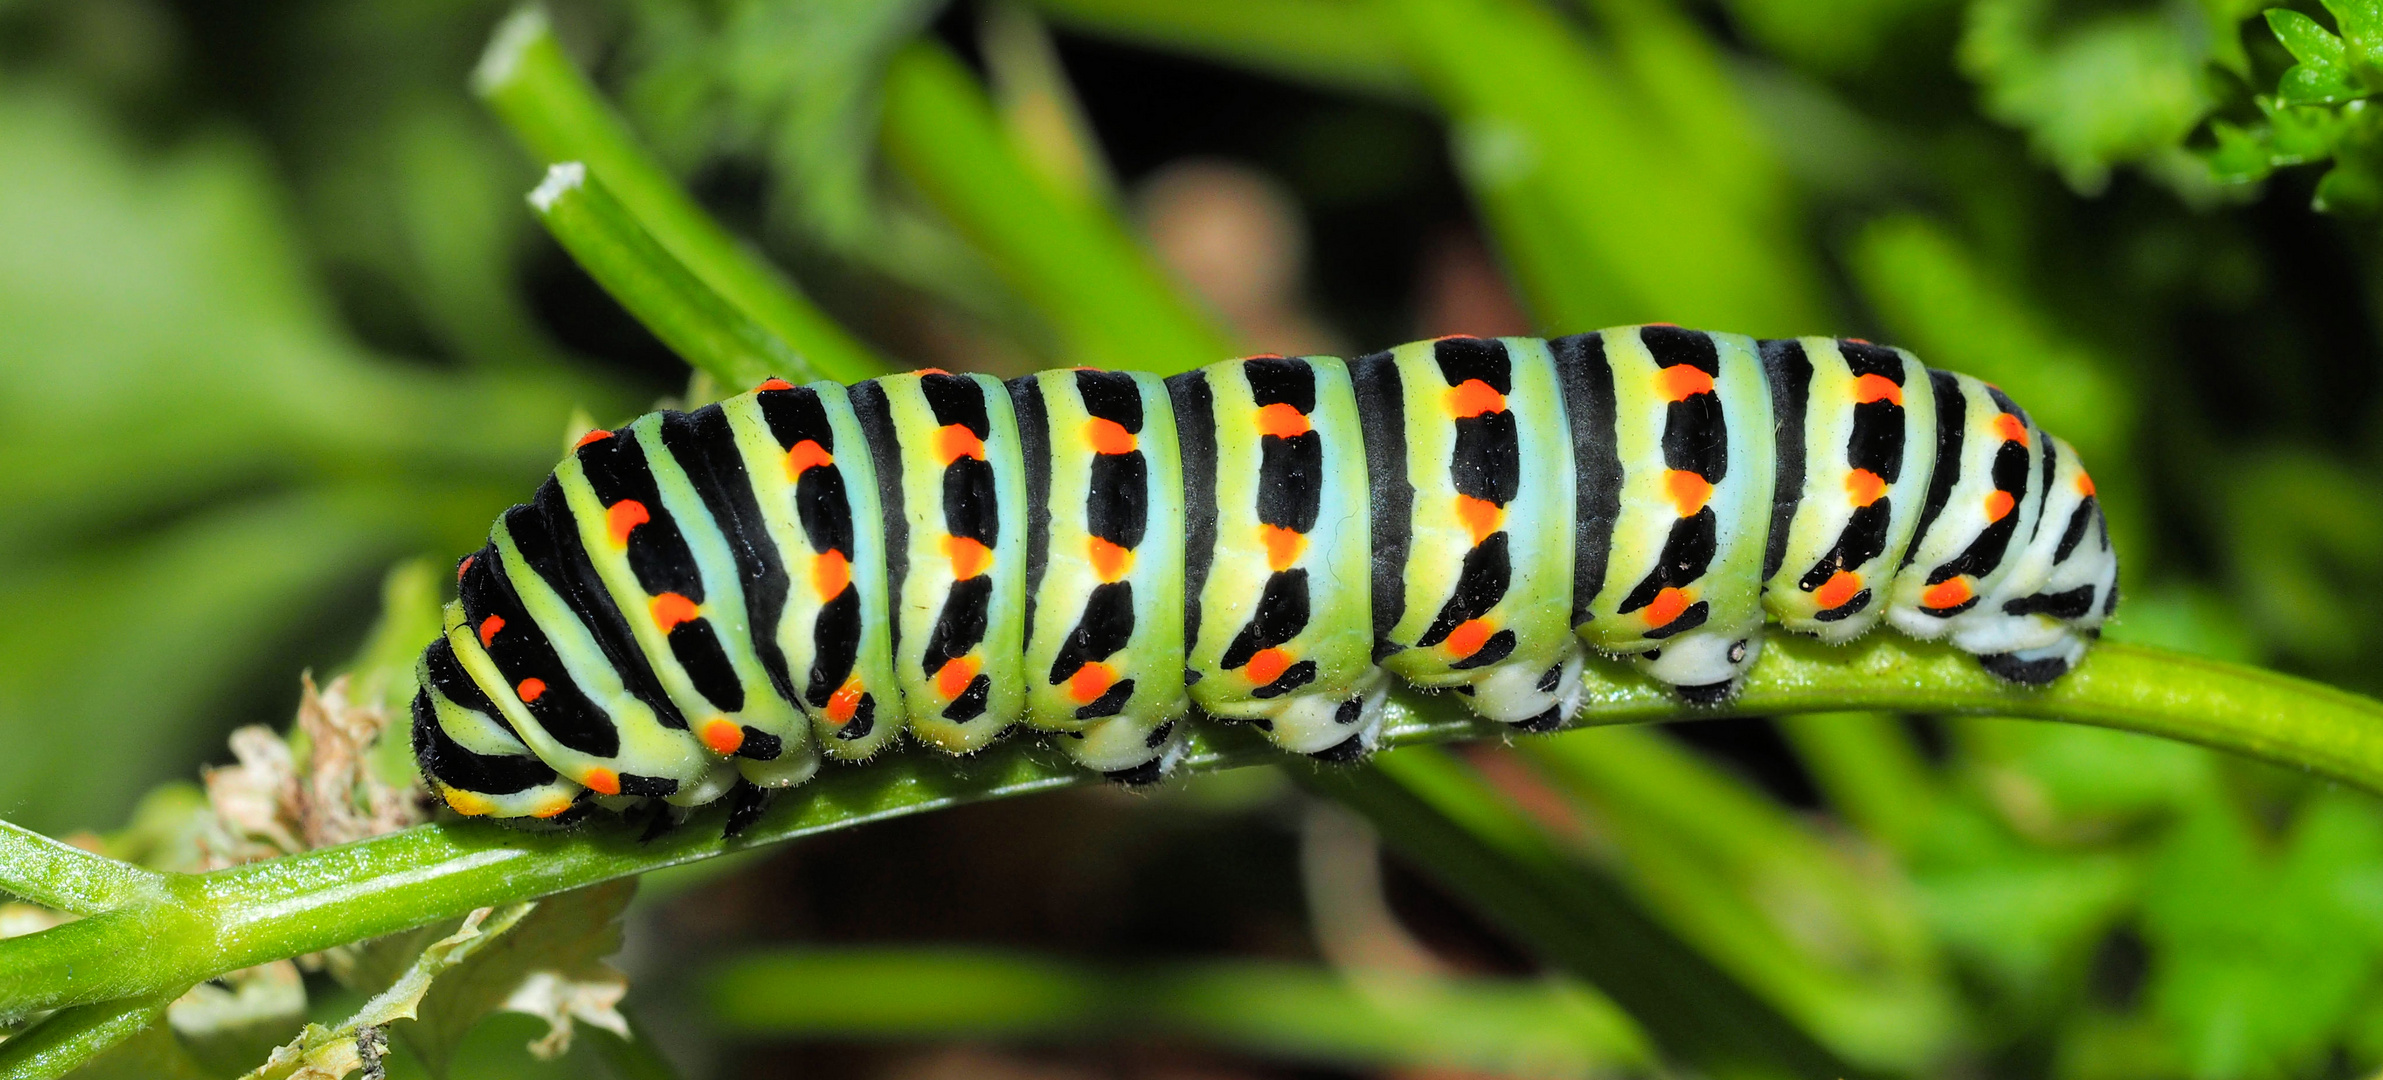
pixel 273 318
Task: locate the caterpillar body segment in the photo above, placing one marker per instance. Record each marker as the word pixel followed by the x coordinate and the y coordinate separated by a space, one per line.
pixel 1104 558
pixel 720 600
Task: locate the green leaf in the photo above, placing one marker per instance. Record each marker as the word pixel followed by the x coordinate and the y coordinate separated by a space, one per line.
pixel 550 965
pixel 2116 88
pixel 2361 26
pixel 2258 959
pixel 2323 76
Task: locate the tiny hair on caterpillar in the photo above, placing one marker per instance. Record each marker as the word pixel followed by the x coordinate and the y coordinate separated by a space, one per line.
pixel 712 602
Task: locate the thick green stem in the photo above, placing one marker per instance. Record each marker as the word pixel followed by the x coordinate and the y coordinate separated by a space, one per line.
pixel 696 322
pixel 303 903
pixel 557 114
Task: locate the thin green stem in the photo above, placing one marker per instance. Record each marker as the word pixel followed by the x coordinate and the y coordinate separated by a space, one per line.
pixel 558 115
pixel 68 878
pixel 1338 44
pixel 696 322
pixel 1527 1027
pixel 303 903
pixel 66 1039
pixel 1069 256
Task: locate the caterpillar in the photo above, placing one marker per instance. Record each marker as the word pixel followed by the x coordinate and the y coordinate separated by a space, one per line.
pixel 707 602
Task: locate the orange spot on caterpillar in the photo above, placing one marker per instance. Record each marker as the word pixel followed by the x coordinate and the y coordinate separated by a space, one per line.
pixel 1108 560
pixel 1680 382
pixel 670 609
pixel 1859 341
pixel 551 807
pixel 952 679
pixel 1951 592
pixel 1282 421
pixel 1106 436
pixel 1283 546
pixel 623 516
pixel 831 573
pixel 723 737
pixel 1468 637
pixel 1267 666
pixel 773 383
pixel 2084 485
pixel 804 455
pixel 1864 487
pixel 955 441
pixel 1667 606
pixel 930 371
pixel 602 781
pixel 1999 504
pixel 531 690
pixel 2010 428
pixel 1473 397
pixel 597 435
pixel 488 628
pixel 969 558
pixel 1090 682
pixel 1687 491
pixel 1871 388
pixel 1481 517
pixel 465 566
pixel 469 804
pixel 1838 590
pixel 846 701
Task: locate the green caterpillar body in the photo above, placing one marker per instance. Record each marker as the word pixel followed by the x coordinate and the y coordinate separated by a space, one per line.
pixel 711 601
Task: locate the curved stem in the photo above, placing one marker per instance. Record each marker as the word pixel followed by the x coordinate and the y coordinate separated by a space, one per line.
pixel 303 903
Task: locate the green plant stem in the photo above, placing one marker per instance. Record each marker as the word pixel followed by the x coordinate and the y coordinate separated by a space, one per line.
pixel 1528 1027
pixel 1069 256
pixel 697 323
pixel 303 903
pixel 557 114
pixel 1339 44
pixel 66 1039
pixel 68 878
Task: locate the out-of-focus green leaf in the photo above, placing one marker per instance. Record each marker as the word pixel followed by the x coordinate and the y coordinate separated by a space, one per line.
pixel 1501 1026
pixel 1841 950
pixel 1073 259
pixel 1829 36
pixel 2260 958
pixel 1612 200
pixel 1447 820
pixel 2297 527
pixel 195 453
pixel 2118 87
